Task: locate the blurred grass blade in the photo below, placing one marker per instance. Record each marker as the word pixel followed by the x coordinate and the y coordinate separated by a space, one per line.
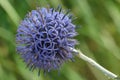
pixel 6 35
pixel 55 2
pixel 89 18
pixel 118 78
pixel 110 44
pixel 10 11
pixel 114 13
pixel 72 75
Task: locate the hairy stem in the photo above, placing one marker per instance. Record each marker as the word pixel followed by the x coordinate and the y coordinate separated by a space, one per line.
pixel 95 64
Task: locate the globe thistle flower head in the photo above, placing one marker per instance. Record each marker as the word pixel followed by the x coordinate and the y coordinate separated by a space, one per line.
pixel 44 37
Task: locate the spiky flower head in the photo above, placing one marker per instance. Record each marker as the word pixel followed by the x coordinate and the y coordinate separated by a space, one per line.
pixel 44 38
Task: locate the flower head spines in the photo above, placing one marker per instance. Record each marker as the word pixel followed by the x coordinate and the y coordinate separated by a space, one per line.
pixel 44 37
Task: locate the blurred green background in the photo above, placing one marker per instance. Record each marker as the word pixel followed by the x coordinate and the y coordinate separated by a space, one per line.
pixel 98 25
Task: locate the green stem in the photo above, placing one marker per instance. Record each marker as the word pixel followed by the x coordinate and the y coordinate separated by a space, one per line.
pixel 95 64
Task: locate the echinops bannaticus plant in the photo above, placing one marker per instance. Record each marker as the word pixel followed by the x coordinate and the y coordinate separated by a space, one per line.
pixel 44 38
pixel 45 41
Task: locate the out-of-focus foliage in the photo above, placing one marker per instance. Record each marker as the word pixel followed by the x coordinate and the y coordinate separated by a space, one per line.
pixel 98 25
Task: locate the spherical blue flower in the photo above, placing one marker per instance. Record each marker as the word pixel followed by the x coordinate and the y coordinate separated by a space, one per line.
pixel 44 38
